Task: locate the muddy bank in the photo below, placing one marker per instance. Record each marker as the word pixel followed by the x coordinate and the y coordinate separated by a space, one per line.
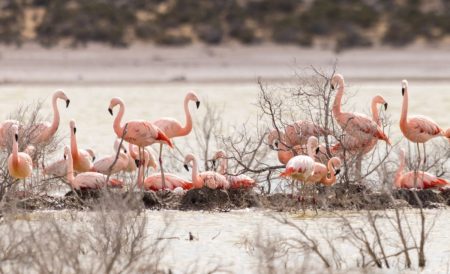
pixel 355 197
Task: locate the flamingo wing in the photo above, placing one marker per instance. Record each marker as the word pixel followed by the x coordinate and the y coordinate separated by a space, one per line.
pixel 169 126
pixel 90 180
pixel 422 125
pixel 58 168
pixel 102 165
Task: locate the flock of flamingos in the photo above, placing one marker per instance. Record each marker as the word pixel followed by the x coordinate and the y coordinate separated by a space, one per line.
pixel 298 148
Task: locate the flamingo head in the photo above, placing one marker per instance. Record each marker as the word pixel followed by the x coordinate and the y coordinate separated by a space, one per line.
pixel 114 102
pixel 336 164
pixel 67 152
pixel 187 160
pixel 274 137
pixel 73 126
pixel 404 86
pixel 15 130
pixel 192 96
pixel 313 144
pixel 336 81
pixel 380 100
pixel 91 153
pixel 61 95
pixel 219 154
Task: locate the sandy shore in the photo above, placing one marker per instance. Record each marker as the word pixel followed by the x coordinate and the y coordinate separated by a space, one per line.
pixel 96 64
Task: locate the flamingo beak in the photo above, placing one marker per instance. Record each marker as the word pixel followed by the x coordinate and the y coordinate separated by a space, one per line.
pixel 110 111
pixel 317 150
pixel 337 171
pixel 186 167
pixel 403 91
pixel 137 162
pixel 74 130
pixel 332 86
pixel 213 163
pixel 163 137
pixel 385 106
pixel 65 157
pixel 67 103
pixel 16 136
pixel 197 104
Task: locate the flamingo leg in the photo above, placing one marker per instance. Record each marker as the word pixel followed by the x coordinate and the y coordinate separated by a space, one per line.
pixel 140 166
pixel 424 156
pixel 416 170
pixel 163 179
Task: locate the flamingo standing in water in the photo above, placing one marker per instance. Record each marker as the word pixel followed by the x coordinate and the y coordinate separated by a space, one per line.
pixel 417 129
pixel 138 132
pixel 236 181
pixel 209 179
pixel 413 179
pixel 103 165
pixel 87 180
pixel 154 181
pixel 82 160
pixel 44 131
pixel 173 128
pixel 355 124
pixel 20 165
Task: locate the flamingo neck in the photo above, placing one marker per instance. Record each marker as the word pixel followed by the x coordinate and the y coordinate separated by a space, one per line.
pixel 73 144
pixel 223 166
pixel 404 115
pixel 310 150
pixel 329 180
pixel 15 152
pixel 188 126
pixel 132 152
pixel 117 128
pixel 375 113
pixel 70 176
pixel 56 117
pixel 196 180
pixel 399 173
pixel 338 99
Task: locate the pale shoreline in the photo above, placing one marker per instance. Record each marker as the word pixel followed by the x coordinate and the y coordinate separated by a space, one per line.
pixel 147 64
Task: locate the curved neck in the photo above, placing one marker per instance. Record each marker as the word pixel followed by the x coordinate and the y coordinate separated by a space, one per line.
pixel 73 144
pixel 70 176
pixel 375 113
pixel 329 180
pixel 404 116
pixel 223 165
pixel 15 152
pixel 188 126
pixel 338 99
pixel 196 180
pixel 399 172
pixel 55 123
pixel 133 153
pixel 117 128
pixel 310 150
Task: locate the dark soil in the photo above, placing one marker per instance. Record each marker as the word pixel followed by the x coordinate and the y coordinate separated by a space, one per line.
pixel 355 197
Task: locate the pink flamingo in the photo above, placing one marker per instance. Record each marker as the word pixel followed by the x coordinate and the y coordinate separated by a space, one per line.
pixel 43 132
pixel 154 181
pixel 82 160
pixel 20 165
pixel 173 128
pixel 103 165
pixel 147 155
pixel 355 124
pixel 140 133
pixel 298 133
pixel 87 180
pixel 209 179
pixel 321 172
pixel 6 131
pixel 355 145
pixel 417 129
pixel 301 167
pixel 413 179
pixel 59 167
pixel 278 143
pixel 236 181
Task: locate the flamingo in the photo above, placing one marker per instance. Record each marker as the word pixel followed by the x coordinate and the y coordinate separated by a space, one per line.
pixel 87 180
pixel 104 164
pixel 416 179
pixel 236 181
pixel 321 172
pixel 173 128
pixel 147 154
pixel 355 124
pixel 355 145
pixel 209 179
pixel 43 132
pixel 301 167
pixel 140 133
pixel 59 167
pixel 154 181
pixel 417 129
pixel 6 131
pixel 20 165
pixel 81 158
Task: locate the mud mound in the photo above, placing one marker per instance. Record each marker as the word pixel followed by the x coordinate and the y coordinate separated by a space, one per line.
pixel 151 200
pixel 206 199
pixel 428 197
pixel 281 202
pixel 242 198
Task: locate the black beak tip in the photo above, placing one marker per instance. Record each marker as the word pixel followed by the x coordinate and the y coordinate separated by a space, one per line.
pixel 332 86
pixel 110 111
pixel 67 103
pixel 213 163
pixel 385 106
pixel 125 151
pixel 16 137
pixel 186 167
pixel 317 150
pixel 197 104
pixel 93 158
pixel 337 172
pixel 403 91
pixel 137 162
pixel 65 157
pixel 74 130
